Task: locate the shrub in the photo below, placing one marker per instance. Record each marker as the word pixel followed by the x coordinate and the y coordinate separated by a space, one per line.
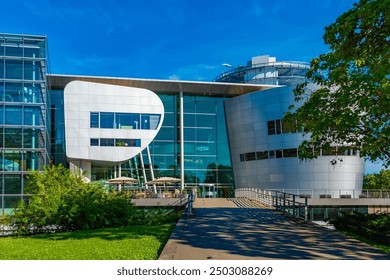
pixel 374 227
pixel 63 201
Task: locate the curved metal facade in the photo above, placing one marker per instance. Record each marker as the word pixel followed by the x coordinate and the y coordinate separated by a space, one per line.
pixel 264 150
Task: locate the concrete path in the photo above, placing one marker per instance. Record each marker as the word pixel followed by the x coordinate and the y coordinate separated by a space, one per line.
pixel 220 230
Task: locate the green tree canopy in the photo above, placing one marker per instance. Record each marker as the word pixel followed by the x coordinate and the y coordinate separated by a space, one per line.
pixel 377 181
pixel 352 103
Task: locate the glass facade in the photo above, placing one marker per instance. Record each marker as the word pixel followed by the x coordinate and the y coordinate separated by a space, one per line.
pixel 23 113
pixel 206 148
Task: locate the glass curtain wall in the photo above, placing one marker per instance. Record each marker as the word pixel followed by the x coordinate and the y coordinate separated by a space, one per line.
pixel 206 148
pixel 23 117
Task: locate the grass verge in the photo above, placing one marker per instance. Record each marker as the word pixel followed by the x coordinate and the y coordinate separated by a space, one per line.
pixel 374 244
pixel 122 243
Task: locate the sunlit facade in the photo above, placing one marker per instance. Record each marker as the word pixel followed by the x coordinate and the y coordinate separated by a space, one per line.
pixel 24 133
pixel 227 133
pixel 264 147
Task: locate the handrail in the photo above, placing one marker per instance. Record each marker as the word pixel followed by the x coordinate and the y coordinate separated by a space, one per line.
pixel 291 204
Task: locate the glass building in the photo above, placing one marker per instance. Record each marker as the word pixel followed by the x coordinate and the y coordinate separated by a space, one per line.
pixel 24 133
pixel 227 134
pixel 199 152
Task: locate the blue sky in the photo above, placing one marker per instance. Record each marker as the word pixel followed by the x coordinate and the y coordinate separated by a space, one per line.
pixel 171 39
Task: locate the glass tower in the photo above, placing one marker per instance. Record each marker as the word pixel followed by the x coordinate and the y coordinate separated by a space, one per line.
pixel 23 113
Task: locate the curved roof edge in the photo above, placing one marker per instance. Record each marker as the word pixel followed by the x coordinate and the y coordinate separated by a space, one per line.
pixel 59 81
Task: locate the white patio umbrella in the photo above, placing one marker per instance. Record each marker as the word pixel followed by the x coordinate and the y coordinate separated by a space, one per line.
pixel 164 181
pixel 122 180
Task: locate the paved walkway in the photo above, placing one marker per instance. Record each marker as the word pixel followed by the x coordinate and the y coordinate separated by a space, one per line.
pixel 221 230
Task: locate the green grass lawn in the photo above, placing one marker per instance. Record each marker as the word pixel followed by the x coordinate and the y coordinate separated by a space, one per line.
pixel 122 243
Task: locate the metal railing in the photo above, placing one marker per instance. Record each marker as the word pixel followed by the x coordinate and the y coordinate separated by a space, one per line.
pixel 291 204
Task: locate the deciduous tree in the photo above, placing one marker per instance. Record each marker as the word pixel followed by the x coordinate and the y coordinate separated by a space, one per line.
pixel 352 103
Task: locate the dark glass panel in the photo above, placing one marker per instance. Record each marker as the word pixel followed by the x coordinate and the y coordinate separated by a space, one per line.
pixel 205 134
pixel 166 133
pixel 107 120
pixel 189 104
pixel 169 102
pixel 242 157
pixel 1 114
pixel 33 160
pixel 13 92
pixel 94 142
pixel 160 147
pixel 271 154
pixel 189 134
pixel 271 128
pixel 107 142
pixel 12 184
pixel 13 115
pixel 290 153
pixel 12 138
pixel 206 120
pixel 32 116
pixel 31 138
pixel 11 201
pixel 164 162
pixel 278 127
pixel 31 51
pixel 250 156
pixel 94 120
pixel 279 153
pixel 32 93
pixel 169 120
pixel 205 104
pixel 2 89
pixel 12 161
pixel 1 68
pixel 145 121
pixel 203 148
pixel 14 50
pixel 14 69
pixel 128 142
pixel 189 120
pixel 262 155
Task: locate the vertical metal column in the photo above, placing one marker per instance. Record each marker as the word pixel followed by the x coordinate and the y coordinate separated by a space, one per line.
pixel 143 168
pixel 151 167
pixel 181 116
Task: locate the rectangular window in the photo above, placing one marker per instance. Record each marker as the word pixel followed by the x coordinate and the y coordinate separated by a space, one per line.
pixel 242 157
pixel 262 155
pixel 279 153
pixel 289 126
pixel 250 156
pixel 145 121
pixel 107 120
pixel 271 128
pixel 271 154
pixel 278 127
pixel 290 153
pixel 107 142
pixel 94 120
pixel 94 142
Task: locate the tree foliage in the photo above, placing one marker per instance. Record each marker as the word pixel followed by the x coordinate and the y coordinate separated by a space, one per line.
pixel 377 181
pixel 352 103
